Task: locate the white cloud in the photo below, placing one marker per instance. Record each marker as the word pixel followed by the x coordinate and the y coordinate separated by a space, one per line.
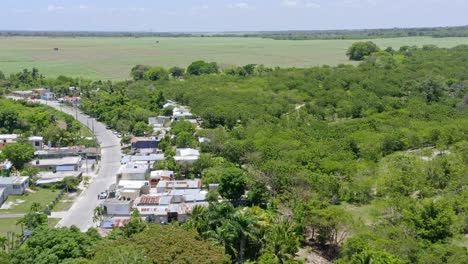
pixel 290 3
pixel 83 7
pixel 53 8
pixel 241 5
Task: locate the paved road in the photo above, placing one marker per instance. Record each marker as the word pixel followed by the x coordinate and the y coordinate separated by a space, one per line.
pixel 81 213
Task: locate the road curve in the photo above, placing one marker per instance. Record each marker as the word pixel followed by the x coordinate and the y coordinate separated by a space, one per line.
pixel 81 213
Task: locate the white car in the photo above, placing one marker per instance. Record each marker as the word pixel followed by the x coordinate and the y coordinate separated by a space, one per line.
pixel 102 195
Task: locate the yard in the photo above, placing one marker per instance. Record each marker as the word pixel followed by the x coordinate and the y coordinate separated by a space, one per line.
pixel 66 202
pixel 21 203
pixel 112 58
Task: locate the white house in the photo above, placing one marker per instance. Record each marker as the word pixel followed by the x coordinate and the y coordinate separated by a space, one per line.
pixel 133 172
pixel 117 206
pixel 36 142
pixel 14 185
pixel 186 155
pixel 61 164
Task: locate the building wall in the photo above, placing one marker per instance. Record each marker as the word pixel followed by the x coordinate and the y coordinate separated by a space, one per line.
pixel 15 189
pixel 118 208
pixel 133 176
pixel 3 197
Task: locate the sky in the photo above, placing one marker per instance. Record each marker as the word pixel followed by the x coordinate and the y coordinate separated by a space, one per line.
pixel 227 15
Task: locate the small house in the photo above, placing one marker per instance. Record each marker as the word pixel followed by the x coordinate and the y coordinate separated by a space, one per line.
pixel 186 155
pixel 160 175
pixel 6 139
pixel 139 143
pixel 36 142
pixel 132 172
pixel 14 185
pixel 117 206
pixel 61 164
pixel 164 186
pixel 159 120
pixel 150 159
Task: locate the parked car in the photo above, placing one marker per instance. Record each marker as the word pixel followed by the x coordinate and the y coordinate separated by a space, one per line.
pixel 102 195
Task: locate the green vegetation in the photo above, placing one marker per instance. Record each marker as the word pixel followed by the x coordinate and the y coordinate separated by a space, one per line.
pixel 18 154
pixel 320 137
pixel 22 203
pixel 27 119
pixel 111 58
pixel 10 225
pixel 359 50
pixel 436 32
pixel 312 148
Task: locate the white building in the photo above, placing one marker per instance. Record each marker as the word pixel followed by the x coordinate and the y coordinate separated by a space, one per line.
pixel 61 164
pixel 14 185
pixel 133 172
pixel 165 186
pixel 186 155
pixel 36 142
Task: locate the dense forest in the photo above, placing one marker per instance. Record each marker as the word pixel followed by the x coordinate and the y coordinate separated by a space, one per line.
pixel 361 164
pixel 436 32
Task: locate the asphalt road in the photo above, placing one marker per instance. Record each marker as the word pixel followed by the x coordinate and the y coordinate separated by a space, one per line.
pixel 81 213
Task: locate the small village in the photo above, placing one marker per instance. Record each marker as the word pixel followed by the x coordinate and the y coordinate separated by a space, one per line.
pixel 158 195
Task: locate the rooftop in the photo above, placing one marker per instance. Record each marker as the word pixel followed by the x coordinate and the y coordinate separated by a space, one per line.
pixel 125 184
pixel 13 180
pixel 138 139
pixel 133 168
pixel 56 162
pixel 8 136
pixel 152 157
pixel 47 177
pixel 185 184
pixel 184 152
pixel 35 138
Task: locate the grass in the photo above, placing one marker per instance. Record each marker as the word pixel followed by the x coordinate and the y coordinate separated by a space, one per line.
pixel 42 196
pixel 65 203
pixel 9 225
pixel 112 58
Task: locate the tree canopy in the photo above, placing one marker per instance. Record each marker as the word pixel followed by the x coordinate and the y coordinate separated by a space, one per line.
pixel 359 50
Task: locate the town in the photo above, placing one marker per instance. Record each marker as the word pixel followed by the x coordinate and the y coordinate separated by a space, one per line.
pixel 158 195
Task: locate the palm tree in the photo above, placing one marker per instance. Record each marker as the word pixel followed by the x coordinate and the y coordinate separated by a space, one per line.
pixel 247 229
pixel 98 215
pixel 281 240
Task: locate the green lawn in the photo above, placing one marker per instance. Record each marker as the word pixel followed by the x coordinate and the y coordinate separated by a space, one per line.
pixel 112 58
pixel 41 195
pixel 66 202
pixel 9 225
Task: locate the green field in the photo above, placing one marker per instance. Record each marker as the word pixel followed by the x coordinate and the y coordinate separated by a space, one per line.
pixel 112 58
